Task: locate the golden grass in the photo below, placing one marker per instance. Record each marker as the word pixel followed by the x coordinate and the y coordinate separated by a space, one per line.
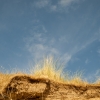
pixel 97 81
pixel 4 79
pixel 48 68
pixel 51 69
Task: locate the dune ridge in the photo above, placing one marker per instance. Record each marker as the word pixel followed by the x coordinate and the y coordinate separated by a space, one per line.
pixel 25 87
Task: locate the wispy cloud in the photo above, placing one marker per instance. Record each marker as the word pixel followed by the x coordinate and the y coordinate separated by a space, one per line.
pixel 86 61
pixel 98 51
pixel 41 3
pixel 59 6
pixel 40 50
pixel 95 76
pixel 64 3
pixel 53 8
pixel 39 44
pixel 66 58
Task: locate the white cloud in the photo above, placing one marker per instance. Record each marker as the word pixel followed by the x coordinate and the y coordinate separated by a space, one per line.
pixel 58 7
pixel 38 50
pixel 97 73
pixel 64 3
pixel 41 3
pixel 38 44
pixel 66 58
pixel 84 43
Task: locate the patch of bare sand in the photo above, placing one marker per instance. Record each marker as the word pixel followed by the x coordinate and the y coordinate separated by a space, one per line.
pixel 24 87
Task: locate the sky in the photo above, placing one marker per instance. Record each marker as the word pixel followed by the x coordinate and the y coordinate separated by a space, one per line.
pixel 66 29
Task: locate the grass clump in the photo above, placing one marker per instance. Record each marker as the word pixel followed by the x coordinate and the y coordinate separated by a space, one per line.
pixel 53 69
pixel 49 68
pixel 77 79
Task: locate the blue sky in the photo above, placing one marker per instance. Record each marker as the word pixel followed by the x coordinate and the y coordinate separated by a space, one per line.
pixel 67 29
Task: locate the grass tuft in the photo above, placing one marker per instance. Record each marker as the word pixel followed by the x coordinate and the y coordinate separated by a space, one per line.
pixel 49 68
pixel 53 69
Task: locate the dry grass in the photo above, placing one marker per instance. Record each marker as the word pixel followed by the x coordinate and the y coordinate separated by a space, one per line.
pixel 48 68
pixel 53 69
pixel 97 81
pixel 4 79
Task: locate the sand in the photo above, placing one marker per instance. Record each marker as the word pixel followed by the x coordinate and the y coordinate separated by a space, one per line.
pixel 24 87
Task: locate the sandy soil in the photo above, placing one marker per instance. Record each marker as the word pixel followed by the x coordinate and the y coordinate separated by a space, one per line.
pixel 23 87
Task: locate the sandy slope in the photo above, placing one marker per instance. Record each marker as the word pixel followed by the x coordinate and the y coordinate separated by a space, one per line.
pixel 23 87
